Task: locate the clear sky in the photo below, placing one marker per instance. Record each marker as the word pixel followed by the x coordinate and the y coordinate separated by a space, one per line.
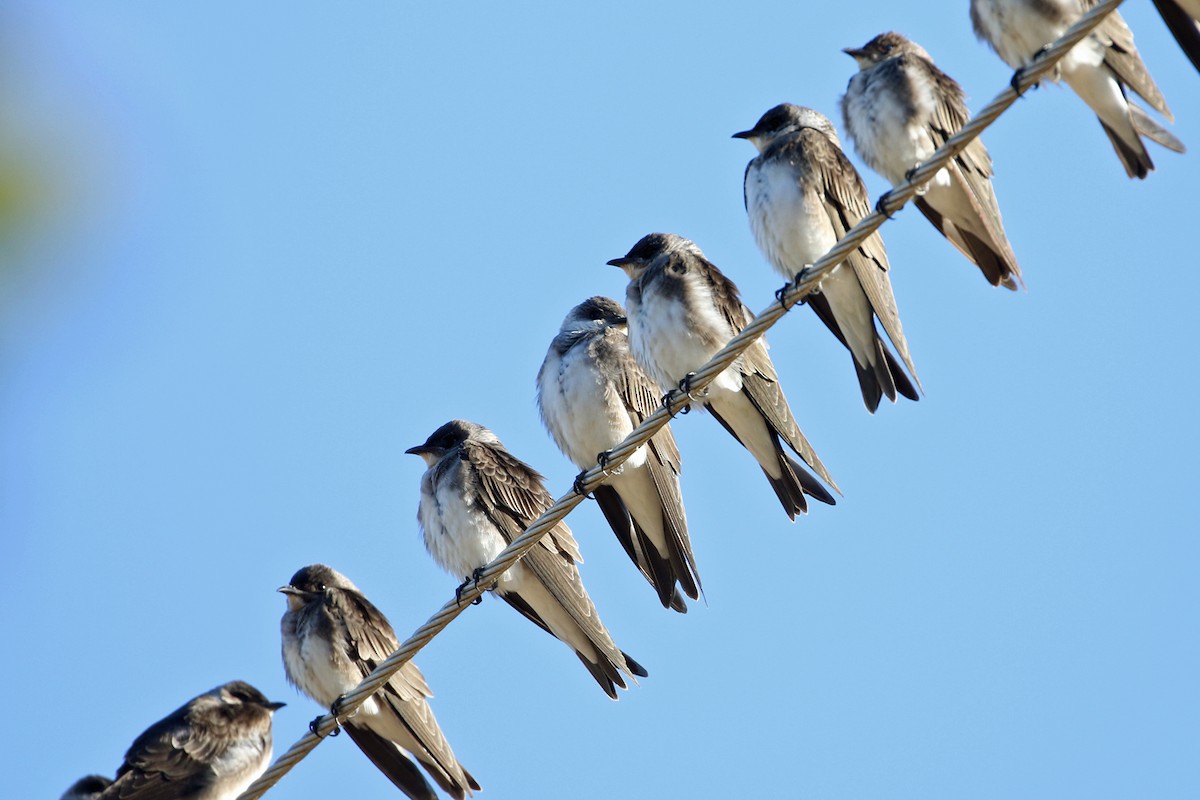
pixel 261 249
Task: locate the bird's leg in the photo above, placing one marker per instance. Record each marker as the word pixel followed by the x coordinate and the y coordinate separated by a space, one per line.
pixel 315 725
pixel 1020 72
pixel 685 386
pixel 578 486
pixel 473 580
pixel 881 204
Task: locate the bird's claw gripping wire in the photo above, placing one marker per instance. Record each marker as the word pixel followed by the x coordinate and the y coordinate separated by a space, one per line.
pixel 578 485
pixel 1020 72
pixel 471 581
pixel 314 727
pixel 602 460
pixel 882 202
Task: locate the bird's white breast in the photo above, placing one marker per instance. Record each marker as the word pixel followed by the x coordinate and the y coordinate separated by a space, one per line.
pixel 1017 31
pixel 457 534
pixel 584 410
pixel 789 223
pixel 665 334
pixel 890 139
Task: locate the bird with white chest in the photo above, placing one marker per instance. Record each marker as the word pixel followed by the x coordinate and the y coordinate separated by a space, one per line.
pixel 802 195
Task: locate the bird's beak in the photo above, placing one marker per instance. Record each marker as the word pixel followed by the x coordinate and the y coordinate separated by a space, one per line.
pixel 621 262
pixel 289 589
pixel 429 455
pixel 275 706
pixel 744 134
pixel 854 52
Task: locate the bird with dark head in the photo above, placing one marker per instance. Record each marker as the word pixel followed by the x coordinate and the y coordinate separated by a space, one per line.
pixel 475 499
pixel 333 638
pixel 682 311
pixel 210 748
pixel 592 394
pixel 898 109
pixel 802 195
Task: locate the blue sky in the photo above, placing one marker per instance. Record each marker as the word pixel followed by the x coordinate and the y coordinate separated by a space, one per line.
pixel 265 249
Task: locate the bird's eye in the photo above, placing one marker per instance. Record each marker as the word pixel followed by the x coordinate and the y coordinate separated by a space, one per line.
pixel 320 587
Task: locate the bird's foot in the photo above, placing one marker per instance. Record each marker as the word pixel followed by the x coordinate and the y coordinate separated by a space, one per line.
pixel 578 486
pixel 315 726
pixel 881 205
pixel 471 581
pixel 1020 73
pixel 685 386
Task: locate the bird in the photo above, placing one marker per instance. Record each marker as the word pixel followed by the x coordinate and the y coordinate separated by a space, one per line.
pixel 898 109
pixel 1183 20
pixel 89 787
pixel 210 748
pixel 476 498
pixel 1099 69
pixel 333 637
pixel 591 394
pixel 801 195
pixel 682 310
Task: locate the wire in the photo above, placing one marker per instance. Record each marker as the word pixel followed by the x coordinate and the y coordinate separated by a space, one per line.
pixel 805 283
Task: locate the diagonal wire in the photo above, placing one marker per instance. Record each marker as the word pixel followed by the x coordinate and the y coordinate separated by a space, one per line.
pixel 806 282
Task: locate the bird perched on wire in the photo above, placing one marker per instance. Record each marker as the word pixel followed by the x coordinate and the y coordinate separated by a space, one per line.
pixel 476 498
pixel 210 748
pixel 333 638
pixel 1099 69
pixel 591 395
pixel 1183 20
pixel 87 788
pixel 682 310
pixel 898 109
pixel 802 194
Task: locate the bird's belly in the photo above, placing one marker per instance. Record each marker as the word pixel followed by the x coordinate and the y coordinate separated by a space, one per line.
pixel 791 227
pixel 459 536
pixel 586 411
pixel 667 344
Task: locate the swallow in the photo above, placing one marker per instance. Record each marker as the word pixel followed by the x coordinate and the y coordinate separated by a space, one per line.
pixel 682 310
pixel 802 194
pixel 210 748
pixel 1100 69
pixel 591 395
pixel 898 109
pixel 476 498
pixel 333 638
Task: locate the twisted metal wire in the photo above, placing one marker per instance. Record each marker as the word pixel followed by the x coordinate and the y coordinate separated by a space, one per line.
pixel 804 284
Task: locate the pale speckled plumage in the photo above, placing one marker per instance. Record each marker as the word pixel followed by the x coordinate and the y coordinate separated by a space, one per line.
pixel 333 637
pixel 210 748
pixel 1098 69
pixel 898 109
pixel 802 194
pixel 682 310
pixel 591 394
pixel 475 498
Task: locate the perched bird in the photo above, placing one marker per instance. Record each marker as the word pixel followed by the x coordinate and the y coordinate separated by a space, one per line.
pixel 210 748
pixel 682 310
pixel 802 194
pixel 476 498
pixel 333 637
pixel 87 788
pixel 1099 69
pixel 1183 19
pixel 898 109
pixel 591 395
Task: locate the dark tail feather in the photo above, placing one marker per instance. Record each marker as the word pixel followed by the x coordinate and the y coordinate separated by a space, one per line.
pixel 994 266
pixel 392 763
pixel 635 667
pixel 789 492
pixel 809 483
pixel 1185 29
pixel 639 548
pixel 903 384
pixel 609 679
pixel 1137 161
